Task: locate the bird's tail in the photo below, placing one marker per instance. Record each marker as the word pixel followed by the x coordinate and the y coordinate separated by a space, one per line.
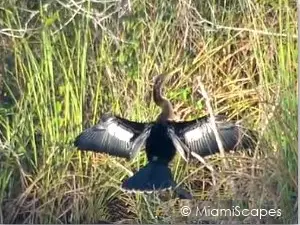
pixel 152 177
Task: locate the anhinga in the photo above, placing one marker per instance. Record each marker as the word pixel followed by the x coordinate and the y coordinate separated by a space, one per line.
pixel 162 139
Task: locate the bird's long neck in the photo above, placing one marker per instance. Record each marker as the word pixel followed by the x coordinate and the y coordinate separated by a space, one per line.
pixel 166 106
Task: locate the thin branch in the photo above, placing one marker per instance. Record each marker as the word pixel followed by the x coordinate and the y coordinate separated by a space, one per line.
pixel 212 118
pixel 214 127
pixel 201 159
pixel 215 26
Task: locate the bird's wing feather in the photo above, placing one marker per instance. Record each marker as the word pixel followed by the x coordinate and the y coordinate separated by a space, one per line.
pixel 199 137
pixel 179 145
pixel 114 136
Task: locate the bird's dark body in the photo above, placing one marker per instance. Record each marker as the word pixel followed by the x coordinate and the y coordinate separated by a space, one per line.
pixel 159 146
pixel 160 151
pixel 162 139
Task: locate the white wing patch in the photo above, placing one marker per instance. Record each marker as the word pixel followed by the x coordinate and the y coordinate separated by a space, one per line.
pixel 196 134
pixel 119 132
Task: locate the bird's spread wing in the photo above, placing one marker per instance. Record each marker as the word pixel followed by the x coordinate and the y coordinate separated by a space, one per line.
pixel 115 136
pixel 199 137
pixel 181 148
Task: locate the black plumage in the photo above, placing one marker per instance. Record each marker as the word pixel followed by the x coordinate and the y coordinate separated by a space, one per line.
pixel 162 139
pixel 115 136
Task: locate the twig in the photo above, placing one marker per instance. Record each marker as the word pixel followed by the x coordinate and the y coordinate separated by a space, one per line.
pixel 212 120
pixel 214 26
pixel 200 159
pixel 214 127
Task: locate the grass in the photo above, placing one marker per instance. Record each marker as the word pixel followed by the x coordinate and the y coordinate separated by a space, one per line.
pixel 64 65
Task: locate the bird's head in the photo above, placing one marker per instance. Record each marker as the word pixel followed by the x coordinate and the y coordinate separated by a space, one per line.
pixel 159 79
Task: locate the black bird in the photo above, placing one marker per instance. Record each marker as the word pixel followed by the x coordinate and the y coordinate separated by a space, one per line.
pixel 162 139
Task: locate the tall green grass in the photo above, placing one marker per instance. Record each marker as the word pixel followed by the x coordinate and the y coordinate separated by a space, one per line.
pixel 68 68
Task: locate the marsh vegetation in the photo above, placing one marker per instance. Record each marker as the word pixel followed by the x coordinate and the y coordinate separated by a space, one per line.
pixel 64 63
